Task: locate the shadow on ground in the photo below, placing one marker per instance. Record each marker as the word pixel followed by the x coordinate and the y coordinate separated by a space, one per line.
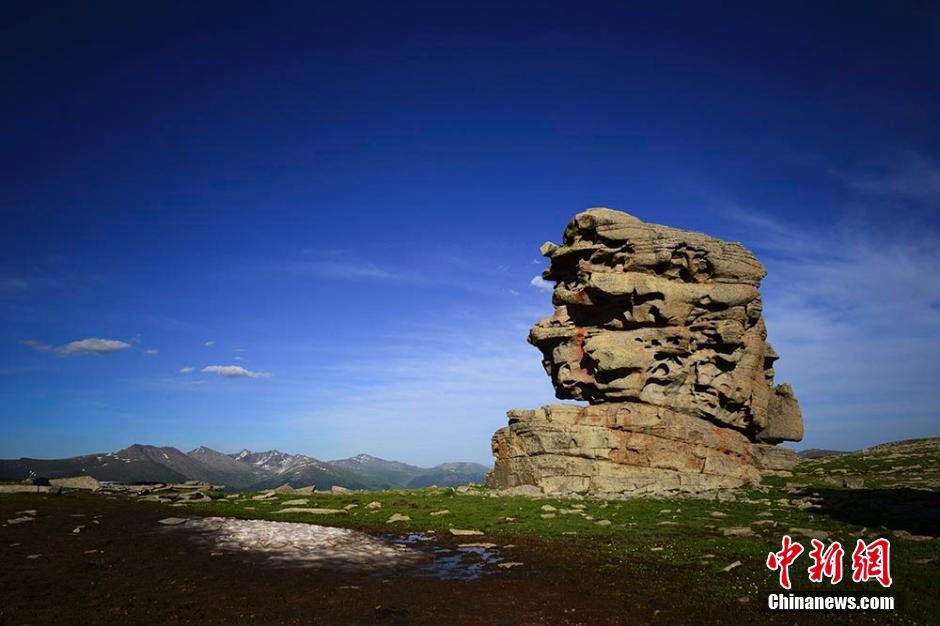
pixel 913 510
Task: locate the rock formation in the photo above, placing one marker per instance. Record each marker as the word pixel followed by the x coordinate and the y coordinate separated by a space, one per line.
pixel 660 331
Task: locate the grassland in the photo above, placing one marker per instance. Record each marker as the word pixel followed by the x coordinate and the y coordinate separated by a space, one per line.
pixel 700 538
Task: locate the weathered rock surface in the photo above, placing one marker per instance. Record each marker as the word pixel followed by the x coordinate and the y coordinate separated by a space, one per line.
pixel 76 482
pixel 660 330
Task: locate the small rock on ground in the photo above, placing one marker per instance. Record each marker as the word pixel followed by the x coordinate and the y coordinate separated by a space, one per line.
pixel 465 533
pixel 312 511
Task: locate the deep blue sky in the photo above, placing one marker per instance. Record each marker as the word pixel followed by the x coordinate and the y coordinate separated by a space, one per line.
pixel 347 199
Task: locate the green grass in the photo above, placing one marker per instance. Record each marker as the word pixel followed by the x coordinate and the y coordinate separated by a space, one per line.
pixel 690 534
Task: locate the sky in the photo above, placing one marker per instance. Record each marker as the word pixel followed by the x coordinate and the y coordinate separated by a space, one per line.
pixel 315 226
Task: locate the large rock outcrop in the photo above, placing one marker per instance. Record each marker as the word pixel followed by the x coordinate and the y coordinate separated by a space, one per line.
pixel 660 331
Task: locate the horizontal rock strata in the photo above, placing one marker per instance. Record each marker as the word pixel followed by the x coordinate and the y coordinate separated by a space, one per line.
pixel 661 331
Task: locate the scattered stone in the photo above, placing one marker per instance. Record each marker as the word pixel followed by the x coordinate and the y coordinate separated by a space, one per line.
pixel 285 488
pixel 397 517
pixel 313 511
pixel 295 502
pixel 32 512
pixel 718 514
pixel 808 532
pixel 350 507
pixel 441 512
pixel 737 531
pixel 173 521
pixel 548 508
pixel 265 496
pixel 195 496
pixel 530 491
pixel 374 505
pixel 656 549
pixel 547 516
pixel 90 552
pixel 668 523
pixel 744 599
pixel 465 533
pixel 339 489
pixel 77 530
pixel 29 489
pixel 33 556
pixel 764 522
pixel 730 567
pixel 76 482
pixel 309 490
pixel 603 522
pixel 509 564
pixel 486 546
pixel 903 534
pixel 20 520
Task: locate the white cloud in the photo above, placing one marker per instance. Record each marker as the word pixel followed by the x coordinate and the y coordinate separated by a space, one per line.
pixel 187 370
pixel 92 345
pixel 540 283
pixel 855 315
pixel 151 352
pixel 209 344
pixel 234 371
pixel 910 175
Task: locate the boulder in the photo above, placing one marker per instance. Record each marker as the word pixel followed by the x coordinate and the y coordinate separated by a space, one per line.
pixel 661 332
pixel 77 482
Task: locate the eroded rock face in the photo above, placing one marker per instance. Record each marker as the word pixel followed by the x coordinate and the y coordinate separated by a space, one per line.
pixel 661 331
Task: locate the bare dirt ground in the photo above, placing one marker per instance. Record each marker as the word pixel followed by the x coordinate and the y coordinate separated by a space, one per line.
pixel 124 567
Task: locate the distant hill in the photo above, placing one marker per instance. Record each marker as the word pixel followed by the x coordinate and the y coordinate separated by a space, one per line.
pixel 245 470
pixel 818 453
pixel 297 470
pixel 381 474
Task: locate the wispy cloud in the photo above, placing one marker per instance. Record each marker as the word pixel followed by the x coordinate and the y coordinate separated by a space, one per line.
pixel 209 344
pixel 92 345
pixel 540 283
pixel 342 264
pixel 234 371
pixel 151 352
pixel 187 370
pixel 855 314
pixel 910 175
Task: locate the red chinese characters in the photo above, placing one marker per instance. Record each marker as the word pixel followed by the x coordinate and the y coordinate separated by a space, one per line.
pixel 872 561
pixel 826 564
pixel 869 561
pixel 783 559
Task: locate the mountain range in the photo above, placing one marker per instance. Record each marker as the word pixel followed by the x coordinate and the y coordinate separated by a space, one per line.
pixel 245 470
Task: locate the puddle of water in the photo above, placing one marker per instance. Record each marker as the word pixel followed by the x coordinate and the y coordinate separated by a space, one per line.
pixel 460 564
